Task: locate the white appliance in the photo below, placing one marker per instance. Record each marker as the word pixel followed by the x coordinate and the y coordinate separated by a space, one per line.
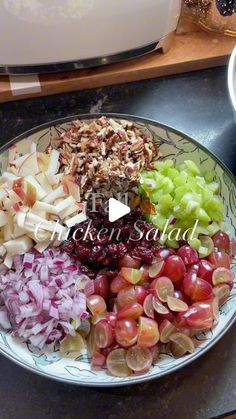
pixel 50 35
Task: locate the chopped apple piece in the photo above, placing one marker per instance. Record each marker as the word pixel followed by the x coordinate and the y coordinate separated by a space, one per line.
pixel 3 194
pixel 69 211
pixel 7 203
pixel 40 192
pixel 55 194
pixel 14 197
pixel 42 179
pixel 52 179
pixel 43 206
pixel 29 166
pixel 20 219
pixel 70 187
pixel 18 231
pixel 3 218
pixel 19 161
pixel 31 194
pixel 16 207
pixel 17 187
pixel 9 178
pixel 8 261
pixel 79 218
pixel 41 246
pixel 43 161
pixel 2 251
pixel 18 246
pixel 39 236
pixel 54 163
pixel 66 203
pixel 8 229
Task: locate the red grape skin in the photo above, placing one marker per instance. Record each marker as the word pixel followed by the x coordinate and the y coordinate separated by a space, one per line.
pixel 196 288
pixel 188 254
pixel 221 241
pixel 219 259
pixel 174 268
pixel 126 332
pixel 205 270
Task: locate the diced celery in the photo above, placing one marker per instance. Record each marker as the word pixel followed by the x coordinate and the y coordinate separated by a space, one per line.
pixel 213 228
pixel 195 243
pixel 173 173
pixel 191 206
pixel 165 203
pixel 172 243
pixel 192 167
pixel 214 187
pixel 203 251
pixel 202 215
pixel 183 192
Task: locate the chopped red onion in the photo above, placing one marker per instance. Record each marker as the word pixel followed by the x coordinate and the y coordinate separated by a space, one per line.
pixel 39 297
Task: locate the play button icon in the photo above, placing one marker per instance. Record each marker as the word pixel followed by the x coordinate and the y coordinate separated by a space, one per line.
pixel 117 210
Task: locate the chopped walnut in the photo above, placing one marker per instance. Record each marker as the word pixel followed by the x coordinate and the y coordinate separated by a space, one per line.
pixel 105 155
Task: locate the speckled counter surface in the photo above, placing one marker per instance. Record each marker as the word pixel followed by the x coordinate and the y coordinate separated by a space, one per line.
pixel 196 103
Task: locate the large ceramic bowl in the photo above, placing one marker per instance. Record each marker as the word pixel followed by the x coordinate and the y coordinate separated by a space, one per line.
pixel 76 368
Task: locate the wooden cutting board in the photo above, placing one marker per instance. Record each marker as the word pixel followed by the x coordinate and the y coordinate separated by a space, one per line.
pixel 192 49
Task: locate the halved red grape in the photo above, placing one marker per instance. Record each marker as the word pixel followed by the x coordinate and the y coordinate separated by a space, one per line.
pixel 219 259
pixel 221 241
pixel 130 311
pixel 207 244
pixel 181 296
pixel 129 262
pixel 116 363
pixel 111 318
pixel 188 254
pixel 166 329
pixel 181 344
pixel 145 273
pixel 163 253
pixel 148 334
pixel 103 334
pixel 118 283
pixel 91 344
pixel 148 306
pixel 96 304
pixel 174 268
pixel 196 288
pixel 126 296
pixel 140 293
pixel 199 316
pixel 164 287
pixel 102 286
pixel 98 360
pixel 156 269
pixel 159 307
pixel 132 275
pixel 177 305
pixel 222 276
pixel 222 292
pixel 126 332
pixel 205 270
pixel 139 358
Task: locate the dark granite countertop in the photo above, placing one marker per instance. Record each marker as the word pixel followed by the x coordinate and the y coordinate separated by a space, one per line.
pixel 196 103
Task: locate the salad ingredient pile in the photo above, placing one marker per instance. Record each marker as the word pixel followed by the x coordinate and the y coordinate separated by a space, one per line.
pixel 119 289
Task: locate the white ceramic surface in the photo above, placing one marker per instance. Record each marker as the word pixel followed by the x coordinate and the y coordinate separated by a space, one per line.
pixel 75 368
pixel 56 31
